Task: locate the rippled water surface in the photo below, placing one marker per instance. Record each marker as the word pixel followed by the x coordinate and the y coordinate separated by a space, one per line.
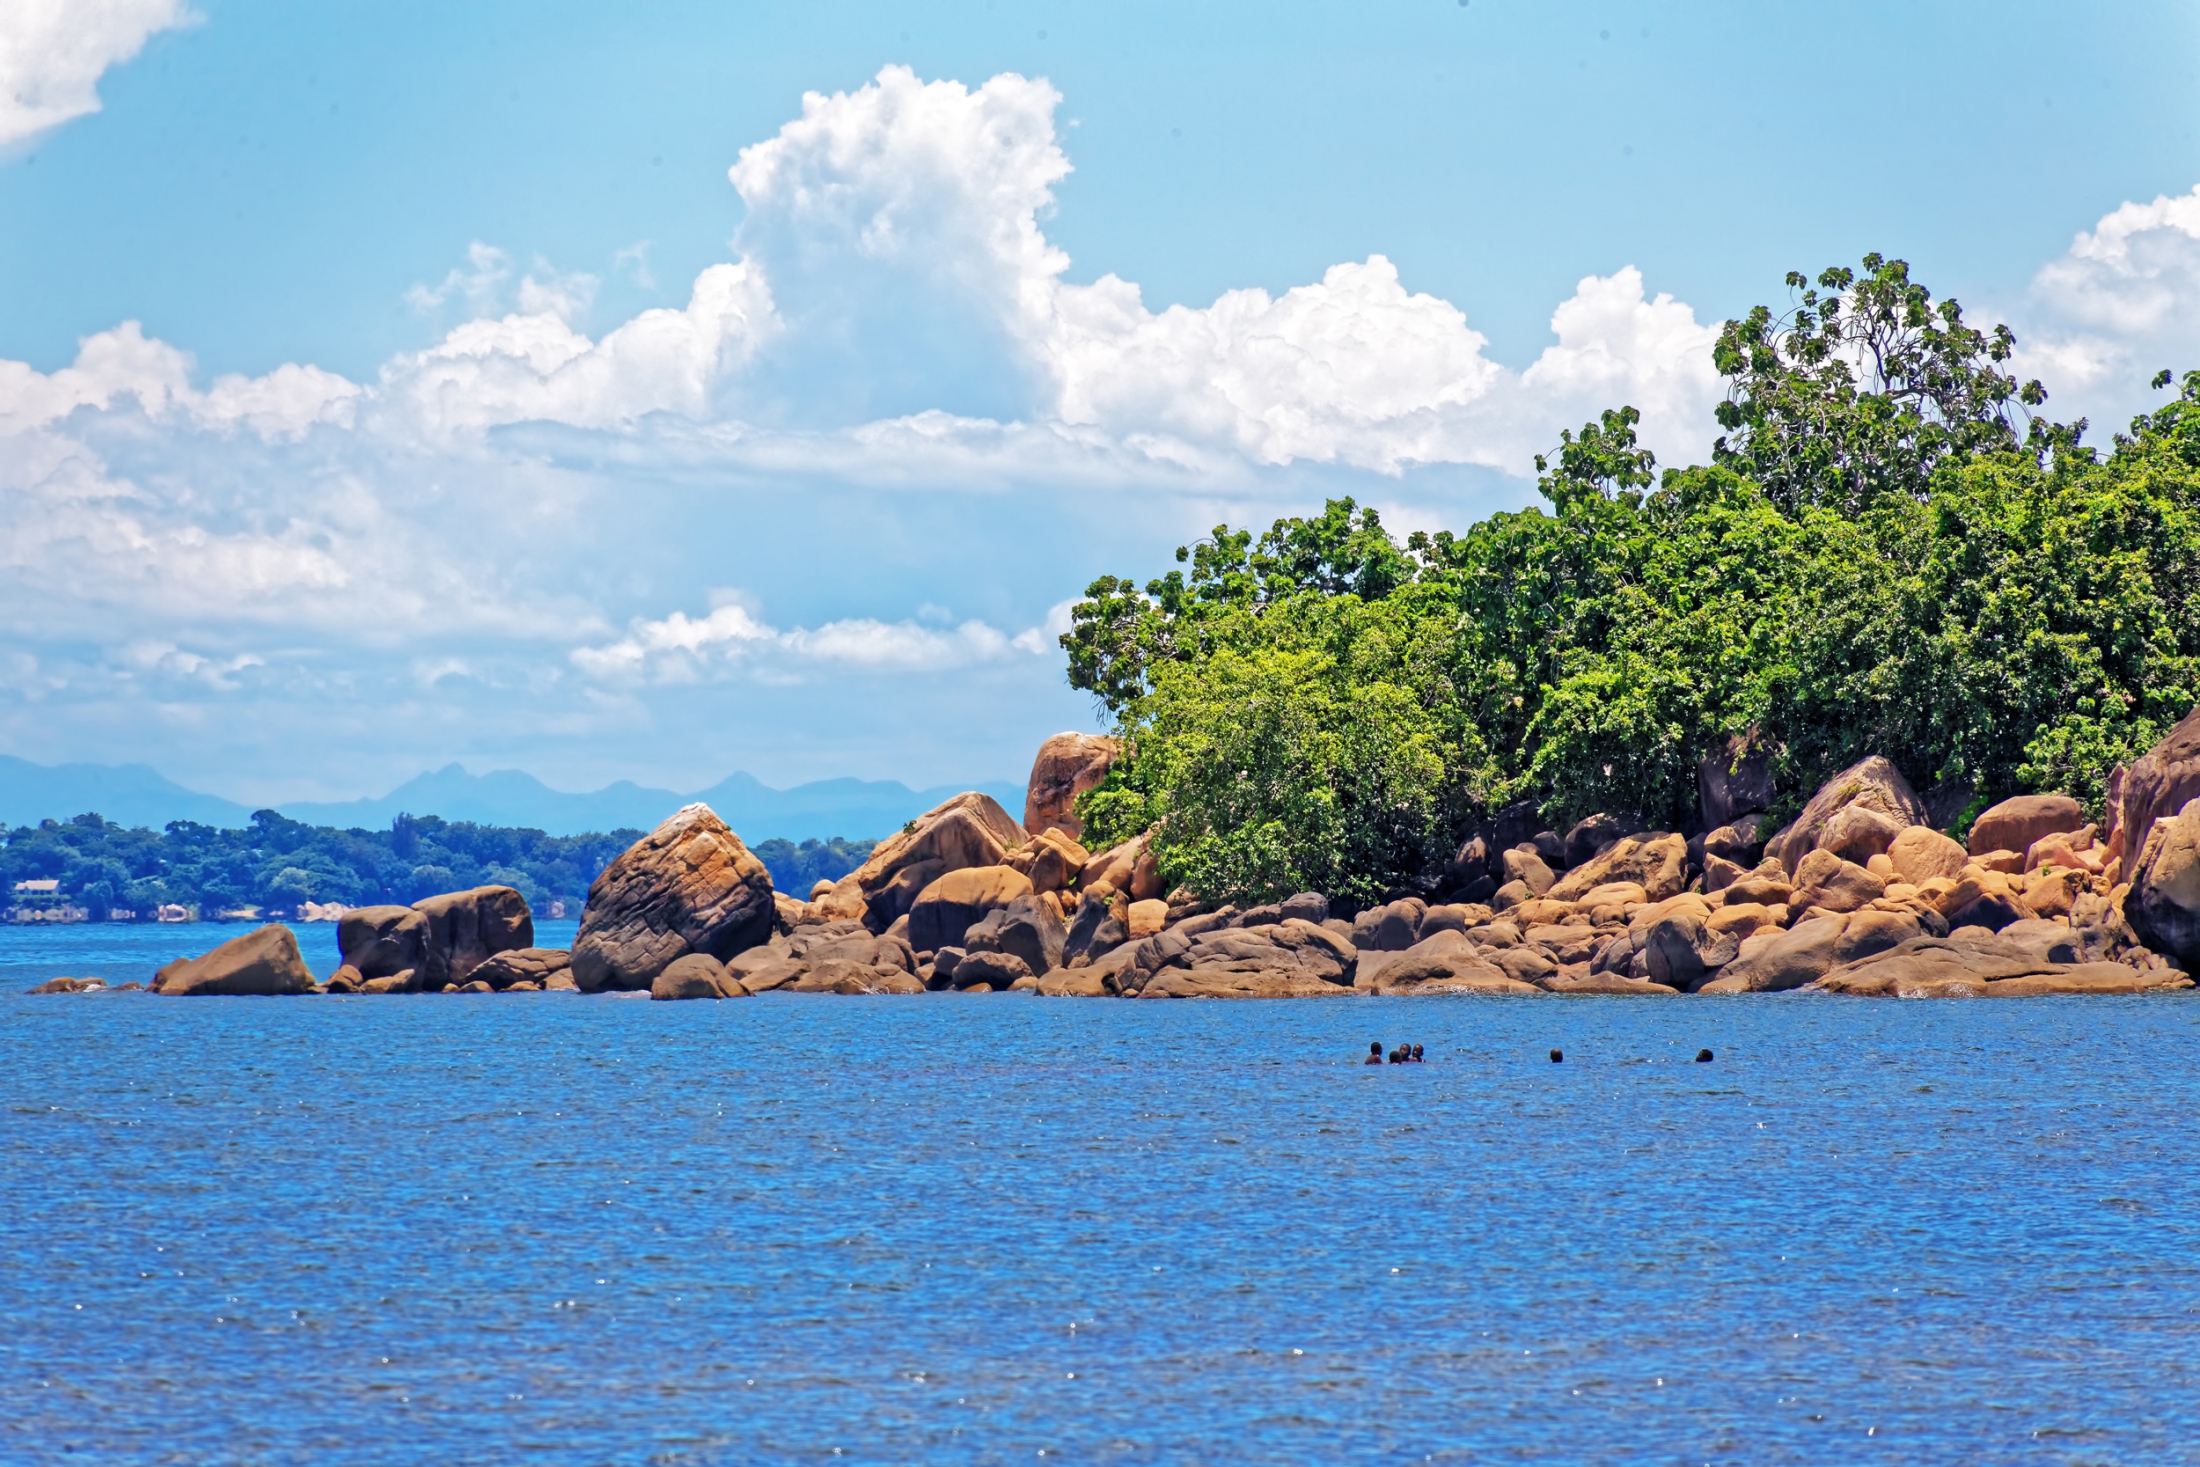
pixel 990 1229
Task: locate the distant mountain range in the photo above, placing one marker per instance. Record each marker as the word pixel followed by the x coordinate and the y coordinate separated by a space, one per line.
pixel 136 794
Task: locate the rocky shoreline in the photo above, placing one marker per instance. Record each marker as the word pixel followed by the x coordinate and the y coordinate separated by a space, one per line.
pixel 1858 895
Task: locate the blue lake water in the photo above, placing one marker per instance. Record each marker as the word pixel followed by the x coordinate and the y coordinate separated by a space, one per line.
pixel 1010 1229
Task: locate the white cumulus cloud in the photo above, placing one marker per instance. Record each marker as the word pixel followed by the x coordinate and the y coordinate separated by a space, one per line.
pixel 680 648
pixel 2120 304
pixel 53 53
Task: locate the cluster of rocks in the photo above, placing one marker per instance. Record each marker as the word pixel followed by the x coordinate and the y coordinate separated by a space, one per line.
pixel 1859 894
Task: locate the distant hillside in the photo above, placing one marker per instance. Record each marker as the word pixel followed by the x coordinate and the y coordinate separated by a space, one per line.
pixel 128 794
pixel 134 795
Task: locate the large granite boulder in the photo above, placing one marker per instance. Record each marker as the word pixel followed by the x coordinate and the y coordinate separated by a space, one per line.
pixel 1595 834
pixel 382 942
pixel 1289 959
pixel 1096 930
pixel 951 905
pixel 1026 927
pixel 2155 788
pixel 1130 868
pixel 971 830
pixel 697 975
pixel 2163 905
pixel 1921 853
pixel 1872 783
pixel 467 928
pixel 438 940
pixel 1068 765
pixel 1658 863
pixel 1801 955
pixel 545 967
pixel 1970 966
pixel 264 961
pixel 689 886
pixel 1446 961
pixel 2014 824
pixel 1681 949
pixel 1826 881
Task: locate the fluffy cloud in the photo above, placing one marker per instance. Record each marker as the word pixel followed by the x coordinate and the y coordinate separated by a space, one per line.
pixel 680 648
pixel 2120 304
pixel 53 53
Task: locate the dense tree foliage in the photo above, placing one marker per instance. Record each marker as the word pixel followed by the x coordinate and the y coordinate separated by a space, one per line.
pixel 797 868
pixel 275 864
pixel 1877 560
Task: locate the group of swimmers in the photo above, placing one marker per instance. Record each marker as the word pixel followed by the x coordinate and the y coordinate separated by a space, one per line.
pixel 1404 1054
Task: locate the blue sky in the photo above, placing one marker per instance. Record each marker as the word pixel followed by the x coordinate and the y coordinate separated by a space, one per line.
pixel 474 412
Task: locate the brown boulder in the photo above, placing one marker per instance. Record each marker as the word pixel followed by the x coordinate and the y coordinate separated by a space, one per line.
pixel 2163 905
pixel 997 969
pixel 1657 863
pixel 697 975
pixel 690 885
pixel 1026 927
pixel 2014 824
pixel 1682 950
pixel 969 830
pixel 1068 765
pixel 545 967
pixel 1522 864
pixel 1826 881
pixel 1597 834
pixel 1920 853
pixel 1794 958
pixel 2155 788
pixel 264 961
pixel 1856 834
pixel 467 928
pixel 379 941
pixel 1873 783
pixel 2090 978
pixel 1057 861
pixel 949 906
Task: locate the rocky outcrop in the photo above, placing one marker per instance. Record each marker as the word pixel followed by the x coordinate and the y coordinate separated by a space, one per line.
pixel 1829 883
pixel 836 957
pixel 1026 927
pixel 1873 784
pixel 689 886
pixel 261 962
pixel 951 905
pixel 1293 958
pixel 437 941
pixel 464 929
pixel 545 967
pixel 1921 853
pixel 2155 788
pixel 1804 954
pixel 2163 905
pixel 2013 825
pixel 695 975
pixel 1129 868
pixel 971 830
pixel 1657 863
pixel 1445 962
pixel 1068 765
pixel 1960 966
